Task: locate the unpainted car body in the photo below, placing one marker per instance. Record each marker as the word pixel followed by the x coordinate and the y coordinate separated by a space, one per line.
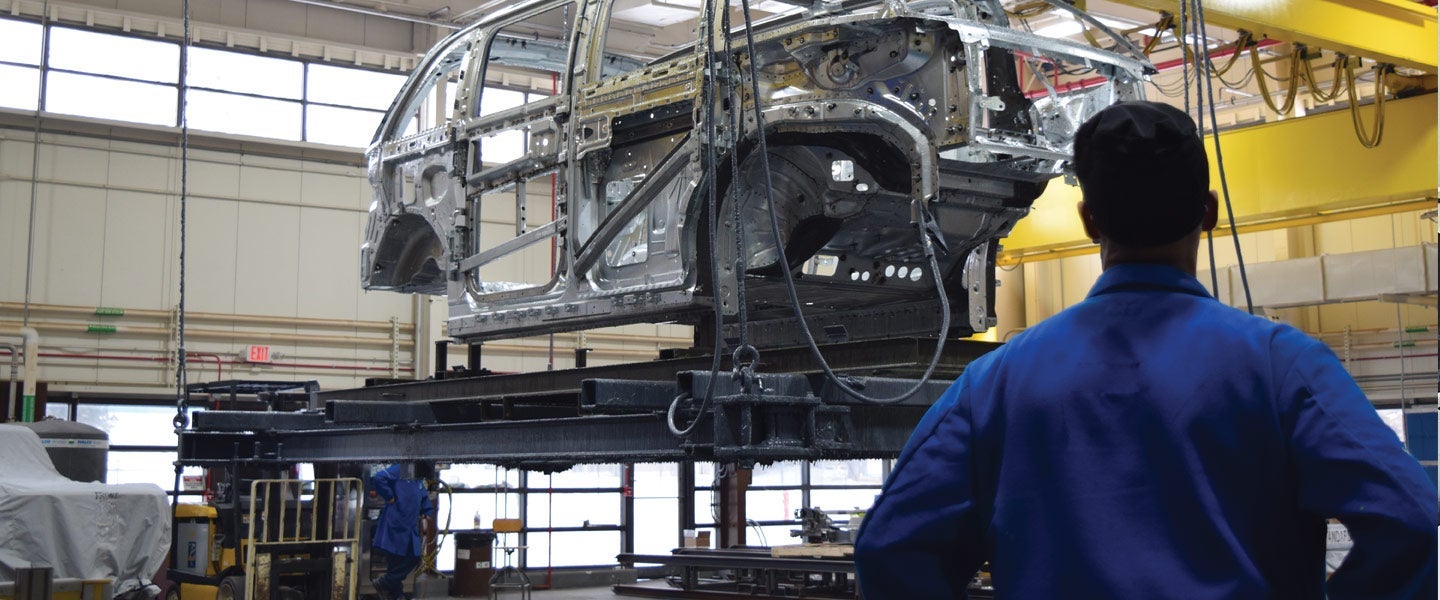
pixel 874 114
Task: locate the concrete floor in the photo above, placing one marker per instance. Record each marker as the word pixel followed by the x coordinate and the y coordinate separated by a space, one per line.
pixel 585 593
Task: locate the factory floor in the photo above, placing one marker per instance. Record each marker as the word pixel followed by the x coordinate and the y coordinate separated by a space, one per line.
pixel 584 593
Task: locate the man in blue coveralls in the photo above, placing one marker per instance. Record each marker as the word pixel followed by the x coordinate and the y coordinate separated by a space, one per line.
pixel 397 533
pixel 1150 442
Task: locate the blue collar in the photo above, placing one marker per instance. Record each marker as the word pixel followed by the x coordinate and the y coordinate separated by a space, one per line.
pixel 1137 276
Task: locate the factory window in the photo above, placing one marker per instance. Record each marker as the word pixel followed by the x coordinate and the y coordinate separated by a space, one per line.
pixel 572 548
pixel 136 78
pixel 351 87
pixel 345 105
pixel 19 64
pixel 242 115
pixel 114 55
pixel 112 77
pixel 244 94
pixel 131 425
pixel 224 71
pixel 341 126
pixel 106 98
pixel 778 490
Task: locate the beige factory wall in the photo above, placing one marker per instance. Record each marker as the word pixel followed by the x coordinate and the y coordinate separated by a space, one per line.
pixel 273 239
pixel 1050 286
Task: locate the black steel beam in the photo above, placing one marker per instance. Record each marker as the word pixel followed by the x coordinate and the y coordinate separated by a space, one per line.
pixel 893 357
pixel 534 443
pixel 361 411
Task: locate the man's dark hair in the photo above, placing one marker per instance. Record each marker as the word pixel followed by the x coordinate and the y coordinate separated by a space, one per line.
pixel 1143 172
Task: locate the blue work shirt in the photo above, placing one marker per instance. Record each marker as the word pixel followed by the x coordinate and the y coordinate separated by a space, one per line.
pixel 398 530
pixel 1150 442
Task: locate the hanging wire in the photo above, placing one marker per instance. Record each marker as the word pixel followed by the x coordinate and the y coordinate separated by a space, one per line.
pixel 1199 17
pixel 181 402
pixel 35 158
pixel 708 135
pixel 1293 80
pixel 1185 59
pixel 742 347
pixel 1367 139
pixel 1337 84
pixel 921 222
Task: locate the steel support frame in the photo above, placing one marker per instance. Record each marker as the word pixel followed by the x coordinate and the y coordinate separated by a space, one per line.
pixel 782 417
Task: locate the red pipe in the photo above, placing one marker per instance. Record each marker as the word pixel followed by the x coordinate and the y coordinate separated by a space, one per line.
pixel 219 370
pixel 1164 66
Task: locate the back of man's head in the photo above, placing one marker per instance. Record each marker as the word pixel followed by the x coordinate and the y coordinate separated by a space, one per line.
pixel 1143 173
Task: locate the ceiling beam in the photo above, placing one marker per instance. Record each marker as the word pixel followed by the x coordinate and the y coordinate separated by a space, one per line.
pixel 1399 32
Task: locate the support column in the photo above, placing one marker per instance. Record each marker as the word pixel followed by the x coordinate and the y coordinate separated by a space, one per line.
pixel 627 508
pixel 732 506
pixel 685 492
pixel 473 358
pixel 442 349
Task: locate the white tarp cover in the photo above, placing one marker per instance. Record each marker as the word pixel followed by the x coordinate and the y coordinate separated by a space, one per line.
pixel 82 530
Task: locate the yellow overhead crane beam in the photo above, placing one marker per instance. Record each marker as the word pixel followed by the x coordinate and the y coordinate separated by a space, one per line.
pixel 1282 174
pixel 1398 32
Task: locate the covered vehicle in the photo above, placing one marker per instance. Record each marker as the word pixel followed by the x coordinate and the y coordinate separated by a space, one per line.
pixel 81 530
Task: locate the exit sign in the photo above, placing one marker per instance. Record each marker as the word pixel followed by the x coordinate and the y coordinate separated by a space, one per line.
pixel 258 354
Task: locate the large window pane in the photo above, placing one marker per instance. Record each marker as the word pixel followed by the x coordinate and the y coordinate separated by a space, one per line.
pixel 570 549
pixel 87 96
pixel 57 410
pixel 352 87
pixel 657 480
pixel 19 42
pixel 143 467
pixel 19 87
pixel 773 505
pixel 573 510
pixel 656 521
pixel 244 115
pixel 236 72
pixel 847 472
pixel 131 425
pixel 106 54
pixel 341 126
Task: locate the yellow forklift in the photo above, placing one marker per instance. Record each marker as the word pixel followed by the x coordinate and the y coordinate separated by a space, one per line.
pixel 265 534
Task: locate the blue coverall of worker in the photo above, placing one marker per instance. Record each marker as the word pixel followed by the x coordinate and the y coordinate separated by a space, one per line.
pixel 397 533
pixel 1150 442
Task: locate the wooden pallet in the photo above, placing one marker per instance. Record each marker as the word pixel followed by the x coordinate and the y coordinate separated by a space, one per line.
pixel 813 550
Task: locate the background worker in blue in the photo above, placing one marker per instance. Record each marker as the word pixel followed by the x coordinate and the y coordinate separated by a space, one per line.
pixel 397 534
pixel 1150 442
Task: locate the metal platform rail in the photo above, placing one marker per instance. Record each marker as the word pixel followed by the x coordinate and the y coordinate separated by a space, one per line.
pixel 549 421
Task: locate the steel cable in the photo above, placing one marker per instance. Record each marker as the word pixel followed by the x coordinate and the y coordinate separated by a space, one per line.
pixel 784 263
pixel 707 98
pixel 1199 15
